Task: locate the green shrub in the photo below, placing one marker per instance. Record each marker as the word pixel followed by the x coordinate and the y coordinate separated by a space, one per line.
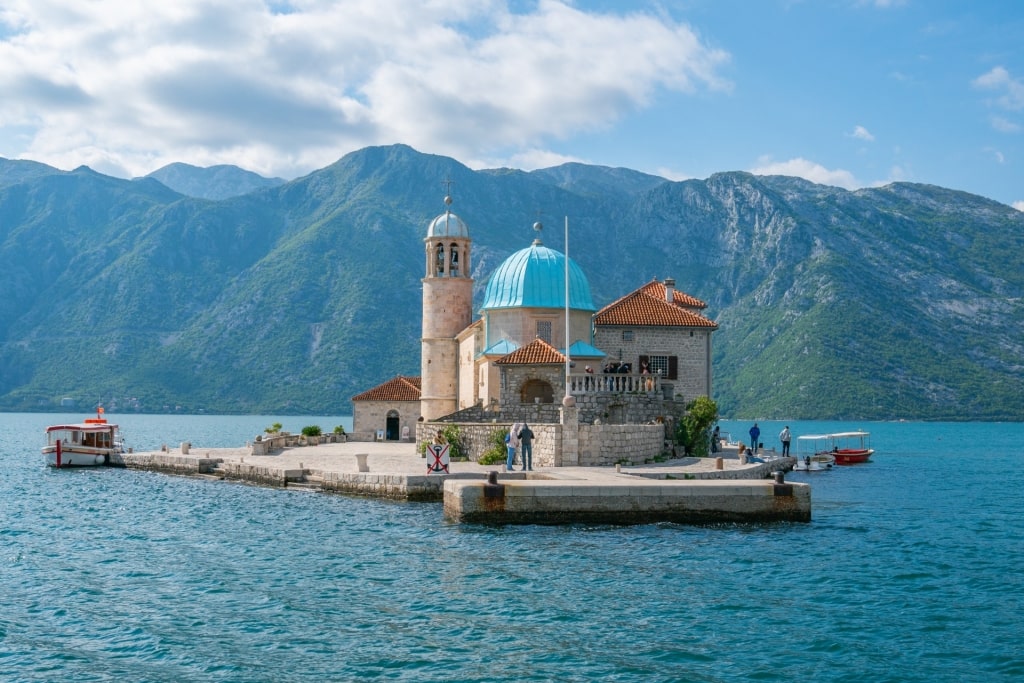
pixel 694 431
pixel 312 430
pixel 339 429
pixel 453 436
pixel 274 428
pixel 496 451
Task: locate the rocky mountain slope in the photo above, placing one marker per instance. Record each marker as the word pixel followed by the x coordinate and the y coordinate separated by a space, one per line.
pixel 894 302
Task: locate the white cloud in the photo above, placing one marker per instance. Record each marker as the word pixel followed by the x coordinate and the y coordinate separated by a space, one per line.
pixel 671 174
pixel 808 170
pixel 1018 205
pixel 126 86
pixel 531 159
pixel 1000 80
pixel 862 133
pixel 882 4
pixel 1004 125
pixel 896 174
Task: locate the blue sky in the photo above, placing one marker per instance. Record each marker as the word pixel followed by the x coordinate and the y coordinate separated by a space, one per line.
pixel 853 93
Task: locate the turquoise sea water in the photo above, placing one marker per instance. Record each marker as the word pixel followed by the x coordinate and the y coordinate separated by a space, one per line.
pixel 911 570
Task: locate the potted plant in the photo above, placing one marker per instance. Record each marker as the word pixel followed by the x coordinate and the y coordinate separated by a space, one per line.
pixel 312 434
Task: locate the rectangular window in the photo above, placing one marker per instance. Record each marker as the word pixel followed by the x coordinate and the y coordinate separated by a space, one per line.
pixel 544 330
pixel 627 335
pixel 666 366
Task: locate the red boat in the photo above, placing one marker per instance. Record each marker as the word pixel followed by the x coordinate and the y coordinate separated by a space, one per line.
pixel 850 448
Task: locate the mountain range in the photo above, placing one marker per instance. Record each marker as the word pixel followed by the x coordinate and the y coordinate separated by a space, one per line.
pixel 216 290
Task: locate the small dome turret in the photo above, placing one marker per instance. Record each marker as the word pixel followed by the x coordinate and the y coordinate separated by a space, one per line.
pixel 447 224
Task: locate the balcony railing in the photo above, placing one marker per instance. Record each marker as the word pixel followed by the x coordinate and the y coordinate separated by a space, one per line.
pixel 612 383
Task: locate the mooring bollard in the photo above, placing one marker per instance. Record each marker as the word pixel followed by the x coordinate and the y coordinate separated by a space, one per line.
pixel 780 477
pixel 719 463
pixel 618 467
pixel 492 489
pixel 361 462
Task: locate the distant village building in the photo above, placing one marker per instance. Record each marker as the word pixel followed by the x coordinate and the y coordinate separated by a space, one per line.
pixel 633 364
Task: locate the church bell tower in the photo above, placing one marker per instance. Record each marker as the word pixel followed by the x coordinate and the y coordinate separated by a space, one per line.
pixel 447 311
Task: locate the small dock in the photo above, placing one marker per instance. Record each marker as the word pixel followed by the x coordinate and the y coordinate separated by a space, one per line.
pixel 685 490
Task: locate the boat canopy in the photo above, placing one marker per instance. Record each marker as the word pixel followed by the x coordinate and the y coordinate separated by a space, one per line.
pixel 92 427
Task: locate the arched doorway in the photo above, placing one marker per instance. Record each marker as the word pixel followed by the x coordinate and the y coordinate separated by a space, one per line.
pixel 391 426
pixel 534 389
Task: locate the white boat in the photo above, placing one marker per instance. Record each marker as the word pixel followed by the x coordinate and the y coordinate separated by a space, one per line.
pixel 813 453
pixel 87 444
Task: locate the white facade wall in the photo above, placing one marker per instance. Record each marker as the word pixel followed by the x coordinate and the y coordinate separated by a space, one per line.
pixel 470 389
pixel 520 325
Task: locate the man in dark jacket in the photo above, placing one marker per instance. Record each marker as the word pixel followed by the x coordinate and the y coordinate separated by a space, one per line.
pixel 526 442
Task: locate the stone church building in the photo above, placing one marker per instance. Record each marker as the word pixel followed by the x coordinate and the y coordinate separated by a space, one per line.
pixel 630 368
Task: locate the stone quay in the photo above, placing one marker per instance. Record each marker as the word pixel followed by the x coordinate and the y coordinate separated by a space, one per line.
pixel 684 490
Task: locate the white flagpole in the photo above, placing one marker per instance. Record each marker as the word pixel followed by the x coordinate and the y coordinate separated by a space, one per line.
pixel 567 336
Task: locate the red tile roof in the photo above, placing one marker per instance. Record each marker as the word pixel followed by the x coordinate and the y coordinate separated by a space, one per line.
pixel 640 309
pixel 397 389
pixel 537 352
pixel 657 289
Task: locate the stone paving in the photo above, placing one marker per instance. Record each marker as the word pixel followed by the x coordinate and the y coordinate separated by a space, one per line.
pixel 402 459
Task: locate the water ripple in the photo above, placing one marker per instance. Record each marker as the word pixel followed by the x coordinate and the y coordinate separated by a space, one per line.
pixel 905 574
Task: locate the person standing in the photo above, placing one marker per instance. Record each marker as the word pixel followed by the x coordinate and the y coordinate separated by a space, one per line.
pixel 755 433
pixel 716 439
pixel 785 437
pixel 511 443
pixel 526 441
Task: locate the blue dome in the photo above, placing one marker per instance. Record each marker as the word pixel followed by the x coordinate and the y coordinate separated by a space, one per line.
pixel 535 278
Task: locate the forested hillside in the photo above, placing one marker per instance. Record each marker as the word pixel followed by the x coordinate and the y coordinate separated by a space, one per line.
pixel 894 302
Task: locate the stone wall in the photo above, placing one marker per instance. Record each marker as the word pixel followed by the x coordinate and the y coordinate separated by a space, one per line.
pixel 693 353
pixel 476 438
pixel 514 377
pixel 369 416
pixel 421 488
pixel 265 444
pixel 599 445
pixel 629 408
pixel 604 445
pixel 158 462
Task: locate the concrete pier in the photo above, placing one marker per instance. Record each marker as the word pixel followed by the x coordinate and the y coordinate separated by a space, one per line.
pixel 622 500
pixel 689 490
